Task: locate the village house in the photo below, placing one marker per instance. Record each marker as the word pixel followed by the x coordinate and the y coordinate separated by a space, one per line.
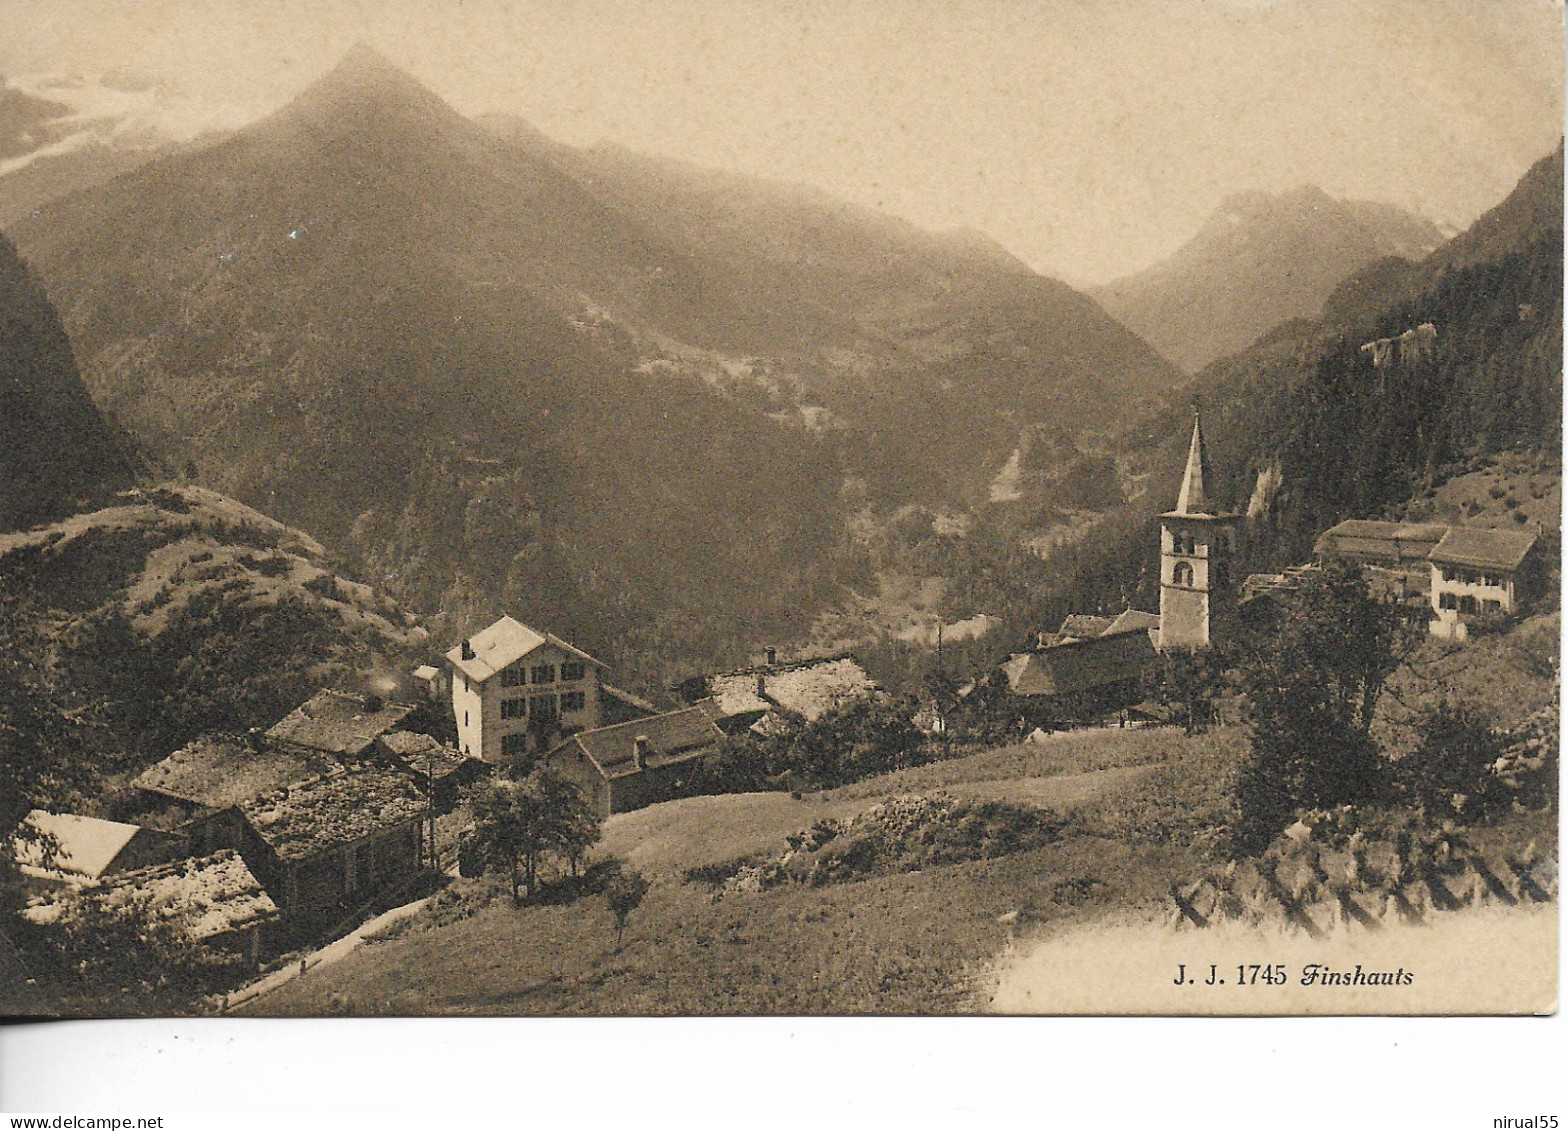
pixel 215 899
pixel 433 766
pixel 1462 573
pixel 759 697
pixel 201 784
pixel 1479 573
pixel 336 723
pixel 510 683
pixel 328 844
pixel 634 764
pixel 1394 557
pixel 1088 674
pixel 84 850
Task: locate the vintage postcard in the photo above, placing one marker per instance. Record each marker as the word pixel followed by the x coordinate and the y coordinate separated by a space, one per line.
pixel 780 508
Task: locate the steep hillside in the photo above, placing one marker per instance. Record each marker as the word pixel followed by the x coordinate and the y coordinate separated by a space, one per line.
pixel 172 611
pixel 1259 260
pixel 1304 431
pixel 56 452
pixel 491 384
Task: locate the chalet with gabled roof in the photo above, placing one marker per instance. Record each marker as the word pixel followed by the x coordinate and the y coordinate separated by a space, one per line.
pixel 512 684
pixel 328 844
pixel 67 848
pixel 638 763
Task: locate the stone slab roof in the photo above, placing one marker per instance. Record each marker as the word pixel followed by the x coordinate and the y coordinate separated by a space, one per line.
pixel 216 771
pixel 337 723
pixel 333 811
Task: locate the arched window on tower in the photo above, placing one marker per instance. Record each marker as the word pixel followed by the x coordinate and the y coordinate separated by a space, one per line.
pixel 1182 574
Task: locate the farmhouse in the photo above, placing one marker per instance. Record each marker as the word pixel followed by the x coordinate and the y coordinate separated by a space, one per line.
pixel 202 782
pixel 757 697
pixel 432 764
pixel 1393 556
pixel 510 682
pixel 215 899
pixel 1461 572
pixel 336 723
pixel 329 843
pixel 1478 572
pixel 634 764
pixel 87 849
pixel 1101 673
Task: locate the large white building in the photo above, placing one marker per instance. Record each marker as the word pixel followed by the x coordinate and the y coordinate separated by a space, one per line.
pixel 515 689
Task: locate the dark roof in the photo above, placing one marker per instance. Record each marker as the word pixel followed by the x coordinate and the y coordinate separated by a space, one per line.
pixel 331 811
pixel 337 723
pixel 1484 548
pixel 621 695
pixel 421 754
pixel 1393 542
pixel 676 736
pixel 219 770
pixel 1084 626
pixel 1080 665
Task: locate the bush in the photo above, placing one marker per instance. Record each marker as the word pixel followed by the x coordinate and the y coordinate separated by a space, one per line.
pixel 1449 773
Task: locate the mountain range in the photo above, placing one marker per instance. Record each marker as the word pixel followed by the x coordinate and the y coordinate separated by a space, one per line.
pixel 1258 261
pixel 629 398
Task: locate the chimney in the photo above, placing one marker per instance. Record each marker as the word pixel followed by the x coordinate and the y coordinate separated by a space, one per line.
pixel 762 686
pixel 772 657
pixel 640 751
pixel 468 649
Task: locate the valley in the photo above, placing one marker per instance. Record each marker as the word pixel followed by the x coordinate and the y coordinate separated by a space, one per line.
pixel 689 593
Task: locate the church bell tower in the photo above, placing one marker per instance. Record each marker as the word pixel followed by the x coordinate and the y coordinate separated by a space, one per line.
pixel 1195 549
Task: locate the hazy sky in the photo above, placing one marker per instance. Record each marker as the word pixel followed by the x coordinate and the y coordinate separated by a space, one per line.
pixel 1090 137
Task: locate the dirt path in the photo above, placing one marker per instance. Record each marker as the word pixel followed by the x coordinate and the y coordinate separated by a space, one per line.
pixel 326 956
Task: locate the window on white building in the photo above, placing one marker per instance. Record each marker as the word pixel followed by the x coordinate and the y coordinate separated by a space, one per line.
pixel 543 673
pixel 514 708
pixel 573 701
pixel 543 707
pixel 572 672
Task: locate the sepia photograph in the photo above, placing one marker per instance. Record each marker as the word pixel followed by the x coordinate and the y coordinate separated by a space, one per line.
pixel 576 508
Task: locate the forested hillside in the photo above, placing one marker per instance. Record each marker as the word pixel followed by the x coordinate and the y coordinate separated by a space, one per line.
pixel 1304 430
pixel 127 631
pixel 56 452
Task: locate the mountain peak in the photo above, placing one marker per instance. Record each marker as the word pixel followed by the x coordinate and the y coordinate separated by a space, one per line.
pixel 364 84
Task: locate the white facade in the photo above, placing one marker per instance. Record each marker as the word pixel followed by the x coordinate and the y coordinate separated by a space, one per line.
pixel 1459 592
pixel 509 682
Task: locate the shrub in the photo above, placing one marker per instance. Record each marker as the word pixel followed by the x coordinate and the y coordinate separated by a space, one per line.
pixel 1449 773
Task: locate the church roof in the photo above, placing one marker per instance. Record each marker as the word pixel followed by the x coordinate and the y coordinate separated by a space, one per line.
pixel 1197 480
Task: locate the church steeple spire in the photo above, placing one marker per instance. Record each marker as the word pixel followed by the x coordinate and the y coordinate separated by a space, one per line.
pixel 1193 499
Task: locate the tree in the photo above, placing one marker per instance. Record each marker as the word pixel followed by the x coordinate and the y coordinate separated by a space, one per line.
pixel 517 824
pixel 1449 772
pixel 1187 681
pixel 1312 685
pixel 624 893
